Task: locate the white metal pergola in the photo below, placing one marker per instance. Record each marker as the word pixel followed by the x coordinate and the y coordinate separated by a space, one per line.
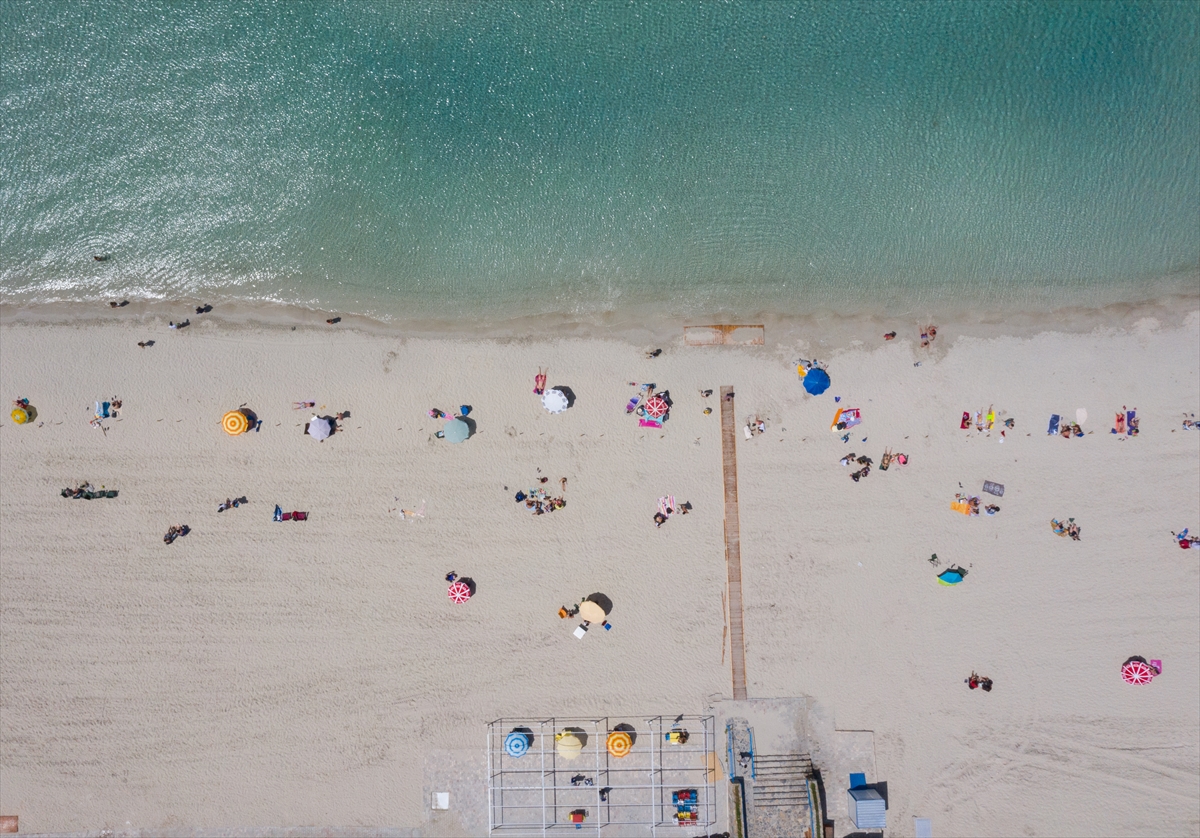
pixel 537 793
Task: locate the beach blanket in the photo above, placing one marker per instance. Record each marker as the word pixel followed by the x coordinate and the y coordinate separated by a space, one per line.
pixel 991 488
pixel 1119 424
pixel 1131 423
pixel 1053 428
pixel 846 417
pixel 666 505
pixel 649 423
pixel 965 424
pixel 961 506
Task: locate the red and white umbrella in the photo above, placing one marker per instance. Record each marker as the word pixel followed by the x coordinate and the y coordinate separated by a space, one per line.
pixel 1137 672
pixel 459 592
pixel 657 407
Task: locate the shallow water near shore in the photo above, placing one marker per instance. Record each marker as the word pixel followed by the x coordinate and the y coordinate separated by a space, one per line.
pixel 601 164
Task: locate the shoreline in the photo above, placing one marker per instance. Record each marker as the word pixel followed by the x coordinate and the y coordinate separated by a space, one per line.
pixel 822 329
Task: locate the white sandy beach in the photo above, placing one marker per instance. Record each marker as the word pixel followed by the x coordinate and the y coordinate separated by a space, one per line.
pixel 260 674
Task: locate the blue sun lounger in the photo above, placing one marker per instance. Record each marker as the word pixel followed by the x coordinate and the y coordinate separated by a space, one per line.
pixel 1054 420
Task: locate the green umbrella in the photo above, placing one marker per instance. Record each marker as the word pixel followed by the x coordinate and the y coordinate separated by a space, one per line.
pixel 456 430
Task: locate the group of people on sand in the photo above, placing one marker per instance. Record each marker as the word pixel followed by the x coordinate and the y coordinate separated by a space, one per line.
pixel 1189 422
pixel 1126 422
pixel 864 461
pixel 86 491
pixel 667 508
pixel 928 334
pixel 1184 540
pixel 977 682
pixel 176 531
pixel 539 501
pixel 973 503
pixel 1064 529
pixel 232 504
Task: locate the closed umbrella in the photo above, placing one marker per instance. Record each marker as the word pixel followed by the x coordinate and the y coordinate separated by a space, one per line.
pixel 816 381
pixel 319 428
pixel 555 401
pixel 456 430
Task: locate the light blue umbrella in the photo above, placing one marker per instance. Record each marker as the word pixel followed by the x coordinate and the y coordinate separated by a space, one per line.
pixel 516 744
pixel 950 577
pixel 456 430
pixel 816 381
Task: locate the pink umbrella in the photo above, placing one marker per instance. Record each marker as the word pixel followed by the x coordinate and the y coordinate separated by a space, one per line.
pixel 459 592
pixel 1137 672
pixel 657 407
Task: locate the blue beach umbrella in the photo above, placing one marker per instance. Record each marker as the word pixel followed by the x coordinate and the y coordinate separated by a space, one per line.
pixel 457 430
pixel 816 381
pixel 950 577
pixel 516 744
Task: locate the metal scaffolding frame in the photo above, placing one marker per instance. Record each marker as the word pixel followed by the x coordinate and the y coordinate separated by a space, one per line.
pixel 534 795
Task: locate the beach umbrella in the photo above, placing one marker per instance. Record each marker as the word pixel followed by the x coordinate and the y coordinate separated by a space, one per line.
pixel 567 744
pixel 656 407
pixel 950 577
pixel 1137 672
pixel 516 744
pixel 816 381
pixel 319 428
pixel 591 611
pixel 20 416
pixel 456 430
pixel 554 401
pixel 235 422
pixel 459 592
pixel 619 742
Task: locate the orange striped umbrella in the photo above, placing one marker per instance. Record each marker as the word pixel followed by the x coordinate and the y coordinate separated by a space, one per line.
pixel 619 743
pixel 235 422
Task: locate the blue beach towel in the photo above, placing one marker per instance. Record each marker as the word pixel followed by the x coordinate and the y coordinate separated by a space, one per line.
pixel 278 516
pixel 1053 429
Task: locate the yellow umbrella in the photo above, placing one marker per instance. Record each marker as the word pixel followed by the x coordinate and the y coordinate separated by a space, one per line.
pixel 235 422
pixel 20 416
pixel 591 612
pixel 568 745
pixel 619 743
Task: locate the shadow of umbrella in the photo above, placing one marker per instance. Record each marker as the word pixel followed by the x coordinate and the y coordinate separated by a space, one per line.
pixel 602 600
pixel 469 582
pixel 568 392
pixel 625 727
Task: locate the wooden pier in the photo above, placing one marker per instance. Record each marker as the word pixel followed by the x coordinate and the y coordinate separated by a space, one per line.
pixel 733 546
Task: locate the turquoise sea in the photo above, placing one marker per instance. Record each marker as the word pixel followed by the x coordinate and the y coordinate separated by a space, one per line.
pixel 478 160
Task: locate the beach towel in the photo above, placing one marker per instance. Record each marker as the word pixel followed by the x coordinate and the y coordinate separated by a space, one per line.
pixel 278 516
pixel 633 403
pixel 965 424
pixel 649 423
pixel 299 516
pixel 666 505
pixel 1131 423
pixel 1053 428
pixel 991 488
pixel 1119 424
pixel 961 506
pixel 287 516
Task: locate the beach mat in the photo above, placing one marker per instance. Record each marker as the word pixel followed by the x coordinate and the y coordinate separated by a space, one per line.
pixel 991 488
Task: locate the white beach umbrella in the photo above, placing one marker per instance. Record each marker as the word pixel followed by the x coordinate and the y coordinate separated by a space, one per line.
pixel 554 401
pixel 319 428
